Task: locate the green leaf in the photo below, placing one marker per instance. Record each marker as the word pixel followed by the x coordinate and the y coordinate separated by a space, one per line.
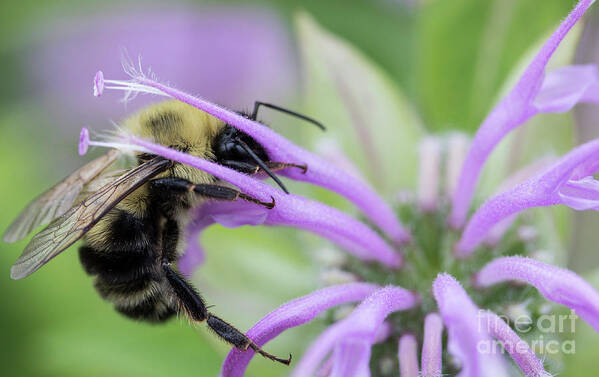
pixel 466 48
pixel 362 108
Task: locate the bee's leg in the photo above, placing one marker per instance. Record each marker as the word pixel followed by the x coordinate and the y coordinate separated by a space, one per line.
pixel 174 185
pixel 195 307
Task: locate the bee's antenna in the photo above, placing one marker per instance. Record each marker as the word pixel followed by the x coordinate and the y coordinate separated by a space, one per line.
pixel 261 163
pixel 257 105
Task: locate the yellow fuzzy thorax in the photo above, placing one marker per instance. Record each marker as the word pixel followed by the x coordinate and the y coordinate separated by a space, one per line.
pixel 176 125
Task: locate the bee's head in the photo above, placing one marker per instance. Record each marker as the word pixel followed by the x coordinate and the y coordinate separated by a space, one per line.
pixel 233 146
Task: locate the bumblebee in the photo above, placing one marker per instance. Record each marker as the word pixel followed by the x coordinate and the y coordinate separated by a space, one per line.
pixel 131 220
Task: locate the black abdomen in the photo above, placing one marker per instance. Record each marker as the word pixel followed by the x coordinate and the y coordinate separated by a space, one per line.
pixel 126 263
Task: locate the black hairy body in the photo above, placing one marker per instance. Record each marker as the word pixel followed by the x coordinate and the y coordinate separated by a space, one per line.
pixel 127 249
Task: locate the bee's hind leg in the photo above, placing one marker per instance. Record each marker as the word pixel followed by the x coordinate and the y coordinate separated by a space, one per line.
pixel 195 307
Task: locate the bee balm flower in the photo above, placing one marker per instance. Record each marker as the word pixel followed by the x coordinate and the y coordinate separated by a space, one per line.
pixel 425 271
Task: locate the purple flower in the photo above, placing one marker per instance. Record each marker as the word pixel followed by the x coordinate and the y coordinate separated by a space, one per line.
pixel 232 55
pixel 533 93
pixel 405 299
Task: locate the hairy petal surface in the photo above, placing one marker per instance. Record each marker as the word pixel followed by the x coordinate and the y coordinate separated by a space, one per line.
pixel 568 181
pixel 351 357
pixel 319 172
pixel 408 356
pixel 432 346
pixel 518 349
pixel 498 230
pixel 556 284
pixel 291 314
pixel 465 333
pixel 289 210
pixel 555 95
pixel 363 324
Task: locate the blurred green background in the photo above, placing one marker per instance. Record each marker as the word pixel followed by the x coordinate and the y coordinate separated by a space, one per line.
pixel 449 57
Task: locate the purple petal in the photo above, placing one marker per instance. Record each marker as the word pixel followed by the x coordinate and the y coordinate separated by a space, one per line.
pixel 351 357
pixel 291 314
pixel 383 333
pixel 523 356
pixel 408 356
pixel 194 255
pixel 498 230
pixel 563 182
pixel 319 172
pixel 326 368
pixel 457 148
pixel 513 110
pixel 429 175
pixel 192 258
pixel 432 346
pixel 362 323
pixel 556 284
pixel 563 88
pixel 465 333
pixel 289 210
pixel 582 194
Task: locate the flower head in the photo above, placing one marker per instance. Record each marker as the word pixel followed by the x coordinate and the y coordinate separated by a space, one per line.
pixel 418 274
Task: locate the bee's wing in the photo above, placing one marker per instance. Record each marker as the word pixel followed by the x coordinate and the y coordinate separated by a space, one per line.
pixel 65 230
pixel 57 200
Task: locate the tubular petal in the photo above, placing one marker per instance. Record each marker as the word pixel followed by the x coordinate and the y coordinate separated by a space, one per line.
pixel 581 194
pixel 518 349
pixel 515 109
pixel 291 314
pixel 408 356
pixel 563 88
pixel 429 175
pixel 556 284
pixel 351 357
pixel 319 172
pixel 289 210
pixel 498 230
pixel 565 182
pixel 457 148
pixel 362 323
pixel 465 333
pixel 432 346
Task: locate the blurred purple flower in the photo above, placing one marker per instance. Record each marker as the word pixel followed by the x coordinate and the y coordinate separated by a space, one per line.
pixel 395 317
pixel 232 55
